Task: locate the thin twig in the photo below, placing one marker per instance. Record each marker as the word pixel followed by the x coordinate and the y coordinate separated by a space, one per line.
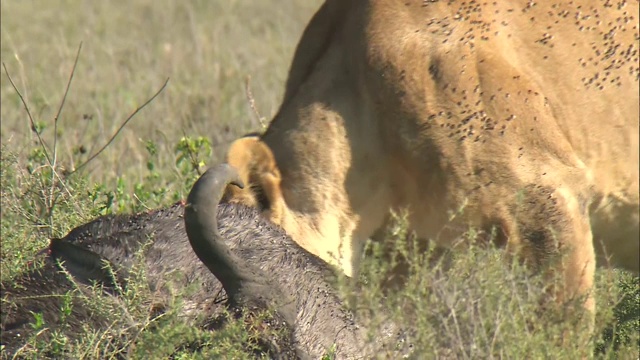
pixel 122 126
pixel 141 202
pixel 54 172
pixel 64 98
pixel 26 107
pixel 252 101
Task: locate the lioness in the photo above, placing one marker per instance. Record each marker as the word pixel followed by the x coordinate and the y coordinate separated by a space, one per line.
pixel 522 114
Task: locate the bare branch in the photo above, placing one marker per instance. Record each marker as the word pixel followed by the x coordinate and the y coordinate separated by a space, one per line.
pixel 252 102
pixel 64 98
pixel 26 107
pixel 122 126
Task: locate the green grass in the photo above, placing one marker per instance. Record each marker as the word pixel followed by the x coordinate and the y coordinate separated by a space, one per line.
pixel 478 308
pixel 206 48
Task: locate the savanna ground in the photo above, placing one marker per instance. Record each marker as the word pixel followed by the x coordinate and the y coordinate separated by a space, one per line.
pixel 479 309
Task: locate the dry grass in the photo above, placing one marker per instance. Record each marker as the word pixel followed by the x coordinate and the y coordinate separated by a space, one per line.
pixel 207 49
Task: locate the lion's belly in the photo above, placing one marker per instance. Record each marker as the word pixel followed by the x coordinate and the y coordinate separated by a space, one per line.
pixel 615 210
pixel 616 235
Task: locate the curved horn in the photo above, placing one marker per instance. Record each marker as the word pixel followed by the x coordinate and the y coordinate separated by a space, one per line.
pixel 200 216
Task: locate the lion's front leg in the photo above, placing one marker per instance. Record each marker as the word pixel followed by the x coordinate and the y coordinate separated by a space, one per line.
pixel 552 232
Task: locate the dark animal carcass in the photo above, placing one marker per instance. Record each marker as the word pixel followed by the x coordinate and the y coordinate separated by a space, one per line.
pixel 265 268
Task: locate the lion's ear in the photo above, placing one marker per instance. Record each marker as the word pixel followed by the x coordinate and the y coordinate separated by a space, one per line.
pixel 241 157
pixel 257 167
